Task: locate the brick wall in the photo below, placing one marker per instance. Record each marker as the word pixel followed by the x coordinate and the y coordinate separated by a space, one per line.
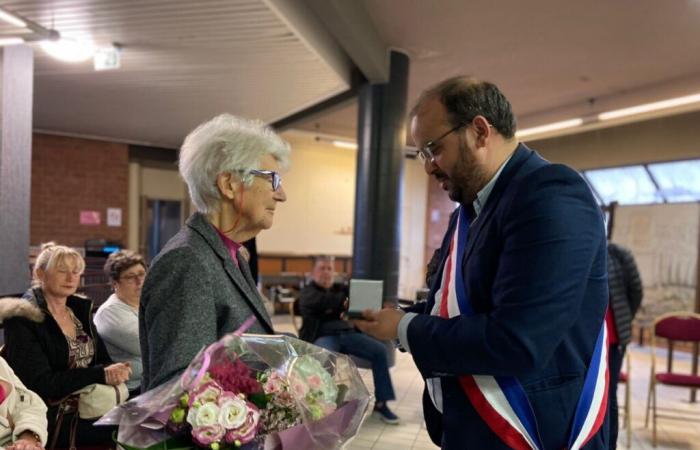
pixel 70 175
pixel 437 217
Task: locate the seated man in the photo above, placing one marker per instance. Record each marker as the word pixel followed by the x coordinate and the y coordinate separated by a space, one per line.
pixel 322 304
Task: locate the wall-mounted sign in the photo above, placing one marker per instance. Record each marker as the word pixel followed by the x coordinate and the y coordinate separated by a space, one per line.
pixel 89 217
pixel 114 217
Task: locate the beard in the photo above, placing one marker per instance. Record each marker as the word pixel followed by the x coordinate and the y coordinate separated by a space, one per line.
pixel 468 177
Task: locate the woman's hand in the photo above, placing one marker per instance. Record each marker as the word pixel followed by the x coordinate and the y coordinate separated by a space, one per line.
pixel 117 373
pixel 26 441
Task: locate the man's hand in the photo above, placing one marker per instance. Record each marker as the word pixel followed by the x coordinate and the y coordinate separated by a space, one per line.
pixel 382 324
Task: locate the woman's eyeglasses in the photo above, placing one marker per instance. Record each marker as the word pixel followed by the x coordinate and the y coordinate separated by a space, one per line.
pixel 133 277
pixel 274 177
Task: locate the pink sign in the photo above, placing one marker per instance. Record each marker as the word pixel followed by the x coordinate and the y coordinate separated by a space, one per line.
pixel 89 217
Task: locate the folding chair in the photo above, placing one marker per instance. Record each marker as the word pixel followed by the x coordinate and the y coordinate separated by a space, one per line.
pixel 674 326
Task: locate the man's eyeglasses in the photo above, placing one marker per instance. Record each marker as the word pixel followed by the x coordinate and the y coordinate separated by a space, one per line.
pixel 426 153
pixel 133 277
pixel 274 177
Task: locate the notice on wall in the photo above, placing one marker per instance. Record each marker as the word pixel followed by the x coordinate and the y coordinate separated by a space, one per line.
pixel 89 217
pixel 114 217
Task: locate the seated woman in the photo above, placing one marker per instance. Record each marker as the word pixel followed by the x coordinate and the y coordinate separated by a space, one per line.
pixel 117 319
pixel 199 287
pixel 22 413
pixel 322 305
pixel 51 343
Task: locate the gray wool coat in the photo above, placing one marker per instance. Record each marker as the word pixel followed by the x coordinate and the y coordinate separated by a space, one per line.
pixel 193 295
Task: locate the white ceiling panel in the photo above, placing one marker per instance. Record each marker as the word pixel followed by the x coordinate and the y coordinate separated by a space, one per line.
pixel 182 63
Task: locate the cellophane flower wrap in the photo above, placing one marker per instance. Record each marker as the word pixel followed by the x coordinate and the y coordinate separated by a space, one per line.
pixel 250 392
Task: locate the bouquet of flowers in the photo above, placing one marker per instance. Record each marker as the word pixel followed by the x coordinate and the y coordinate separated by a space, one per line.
pixel 249 392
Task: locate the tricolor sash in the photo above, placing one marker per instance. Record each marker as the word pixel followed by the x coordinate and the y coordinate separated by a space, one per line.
pixel 501 401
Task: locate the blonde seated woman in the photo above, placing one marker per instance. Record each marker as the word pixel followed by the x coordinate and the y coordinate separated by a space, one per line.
pixel 52 345
pixel 22 413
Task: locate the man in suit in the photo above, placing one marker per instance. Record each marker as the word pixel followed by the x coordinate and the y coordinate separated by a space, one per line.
pixel 514 323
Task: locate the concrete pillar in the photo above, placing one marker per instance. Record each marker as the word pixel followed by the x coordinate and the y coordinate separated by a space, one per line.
pixel 16 91
pixel 381 137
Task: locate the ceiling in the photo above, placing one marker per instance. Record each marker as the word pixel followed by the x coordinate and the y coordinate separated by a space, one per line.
pixel 554 60
pixel 185 61
pixel 182 63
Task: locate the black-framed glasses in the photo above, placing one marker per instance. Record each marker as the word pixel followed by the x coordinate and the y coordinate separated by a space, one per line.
pixel 273 176
pixel 425 153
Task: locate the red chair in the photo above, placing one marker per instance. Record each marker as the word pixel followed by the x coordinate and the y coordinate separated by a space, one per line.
pixel 675 326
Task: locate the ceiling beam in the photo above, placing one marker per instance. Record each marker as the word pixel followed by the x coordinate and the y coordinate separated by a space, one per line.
pixel 302 21
pixel 353 29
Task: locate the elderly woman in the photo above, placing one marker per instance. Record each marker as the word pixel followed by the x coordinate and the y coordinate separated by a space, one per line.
pixel 117 320
pixel 199 287
pixel 51 343
pixel 23 423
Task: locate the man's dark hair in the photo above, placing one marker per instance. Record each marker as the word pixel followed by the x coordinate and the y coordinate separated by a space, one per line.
pixel 465 98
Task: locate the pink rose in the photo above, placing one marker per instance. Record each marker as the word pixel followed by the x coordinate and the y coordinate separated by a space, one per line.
pixel 207 435
pixel 274 384
pixel 206 393
pixel 314 382
pixel 246 432
pixel 299 387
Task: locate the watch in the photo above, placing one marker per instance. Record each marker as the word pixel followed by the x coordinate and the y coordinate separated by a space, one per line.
pixel 32 434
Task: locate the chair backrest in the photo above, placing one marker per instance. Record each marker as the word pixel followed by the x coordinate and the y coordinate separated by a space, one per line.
pixel 678 326
pixel 674 326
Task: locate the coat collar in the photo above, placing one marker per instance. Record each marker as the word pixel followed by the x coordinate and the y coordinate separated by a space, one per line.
pixel 241 275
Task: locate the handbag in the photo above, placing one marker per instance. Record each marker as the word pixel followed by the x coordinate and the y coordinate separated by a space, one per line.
pixel 95 400
pixel 91 402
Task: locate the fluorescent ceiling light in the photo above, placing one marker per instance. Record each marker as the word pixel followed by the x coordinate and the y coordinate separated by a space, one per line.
pixel 345 144
pixel 549 127
pixel 69 50
pixel 12 19
pixel 648 107
pixel 11 41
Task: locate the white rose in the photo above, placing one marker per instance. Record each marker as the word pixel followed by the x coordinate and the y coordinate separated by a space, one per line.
pixel 232 413
pixel 203 416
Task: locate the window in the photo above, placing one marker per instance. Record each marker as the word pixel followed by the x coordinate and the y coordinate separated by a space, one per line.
pixel 678 181
pixel 625 185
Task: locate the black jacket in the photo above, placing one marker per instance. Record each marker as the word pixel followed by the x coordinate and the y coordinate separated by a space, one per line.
pixel 625 289
pixel 38 351
pixel 318 305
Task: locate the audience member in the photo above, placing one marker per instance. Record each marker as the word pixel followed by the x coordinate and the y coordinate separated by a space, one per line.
pixel 322 305
pixel 625 287
pixel 51 343
pixel 117 320
pixel 199 288
pixel 23 423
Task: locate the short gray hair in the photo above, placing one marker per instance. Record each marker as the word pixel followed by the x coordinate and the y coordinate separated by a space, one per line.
pixel 226 143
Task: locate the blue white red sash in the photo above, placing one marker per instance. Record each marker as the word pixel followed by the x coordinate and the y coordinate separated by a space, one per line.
pixel 501 401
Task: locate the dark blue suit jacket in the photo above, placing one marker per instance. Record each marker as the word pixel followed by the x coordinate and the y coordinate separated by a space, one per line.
pixel 535 272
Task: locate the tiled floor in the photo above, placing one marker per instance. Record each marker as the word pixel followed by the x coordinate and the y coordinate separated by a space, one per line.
pixel 411 433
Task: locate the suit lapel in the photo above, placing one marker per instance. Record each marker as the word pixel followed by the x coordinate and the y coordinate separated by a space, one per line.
pixel 521 154
pixel 201 225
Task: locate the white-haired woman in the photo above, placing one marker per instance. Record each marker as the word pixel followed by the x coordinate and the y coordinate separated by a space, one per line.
pixel 52 345
pixel 199 288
